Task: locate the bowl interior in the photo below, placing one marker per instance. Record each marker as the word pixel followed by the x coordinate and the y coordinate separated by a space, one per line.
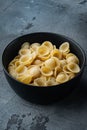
pixel 12 49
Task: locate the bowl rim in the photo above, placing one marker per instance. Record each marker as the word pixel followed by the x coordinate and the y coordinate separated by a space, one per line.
pixel 51 33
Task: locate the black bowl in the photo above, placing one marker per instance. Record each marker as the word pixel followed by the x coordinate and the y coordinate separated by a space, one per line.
pixel 42 95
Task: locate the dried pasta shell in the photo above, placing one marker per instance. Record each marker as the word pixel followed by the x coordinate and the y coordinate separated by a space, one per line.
pixel 17 57
pixel 70 54
pixel 13 62
pixel 63 63
pixel 24 51
pixel 56 53
pixel 51 63
pixel 35 46
pixel 46 71
pixel 72 58
pixel 17 63
pixel 11 70
pixel 34 71
pixel 25 45
pixel 37 62
pixel 57 70
pixel 27 59
pixel 48 44
pixel 64 47
pixel 25 79
pixel 62 77
pixel 39 82
pixel 43 58
pixel 43 51
pixel 20 69
pixel 66 70
pixel 51 82
pixel 73 67
pixel 64 54
pixel 71 75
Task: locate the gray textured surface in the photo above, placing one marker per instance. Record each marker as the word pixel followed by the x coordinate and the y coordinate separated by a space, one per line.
pixel 66 17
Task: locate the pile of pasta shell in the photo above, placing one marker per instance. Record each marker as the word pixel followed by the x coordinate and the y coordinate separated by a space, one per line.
pixel 44 64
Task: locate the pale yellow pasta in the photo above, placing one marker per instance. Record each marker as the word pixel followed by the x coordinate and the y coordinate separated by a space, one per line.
pixel 63 63
pixel 43 51
pixel 64 54
pixel 66 70
pixel 64 47
pixel 73 67
pixel 51 63
pixel 24 78
pixel 17 63
pixel 26 45
pixel 24 51
pixel 71 75
pixel 35 46
pixel 57 70
pixel 37 62
pixel 13 62
pixel 43 58
pixel 20 69
pixel 34 71
pixel 46 71
pixel 44 64
pixel 70 54
pixel 72 58
pixel 39 82
pixel 48 44
pixel 62 77
pixel 56 53
pixel 51 81
pixel 11 70
pixel 27 59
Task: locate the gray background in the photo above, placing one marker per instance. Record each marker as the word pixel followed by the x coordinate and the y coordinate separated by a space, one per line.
pixel 18 17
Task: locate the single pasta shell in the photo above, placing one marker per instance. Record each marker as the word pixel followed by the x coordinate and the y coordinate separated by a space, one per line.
pixel 51 63
pixel 62 77
pixel 70 54
pixel 57 61
pixel 26 45
pixel 72 58
pixel 35 46
pixel 11 70
pixel 25 79
pixel 48 44
pixel 27 59
pixel 63 63
pixel 37 62
pixel 43 58
pixel 39 82
pixel 66 70
pixel 56 53
pixel 13 62
pixel 71 75
pixel 17 57
pixel 34 71
pixel 46 71
pixel 64 47
pixel 20 69
pixel 64 54
pixel 43 51
pixel 51 83
pixel 57 70
pixel 24 51
pixel 17 63
pixel 73 67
